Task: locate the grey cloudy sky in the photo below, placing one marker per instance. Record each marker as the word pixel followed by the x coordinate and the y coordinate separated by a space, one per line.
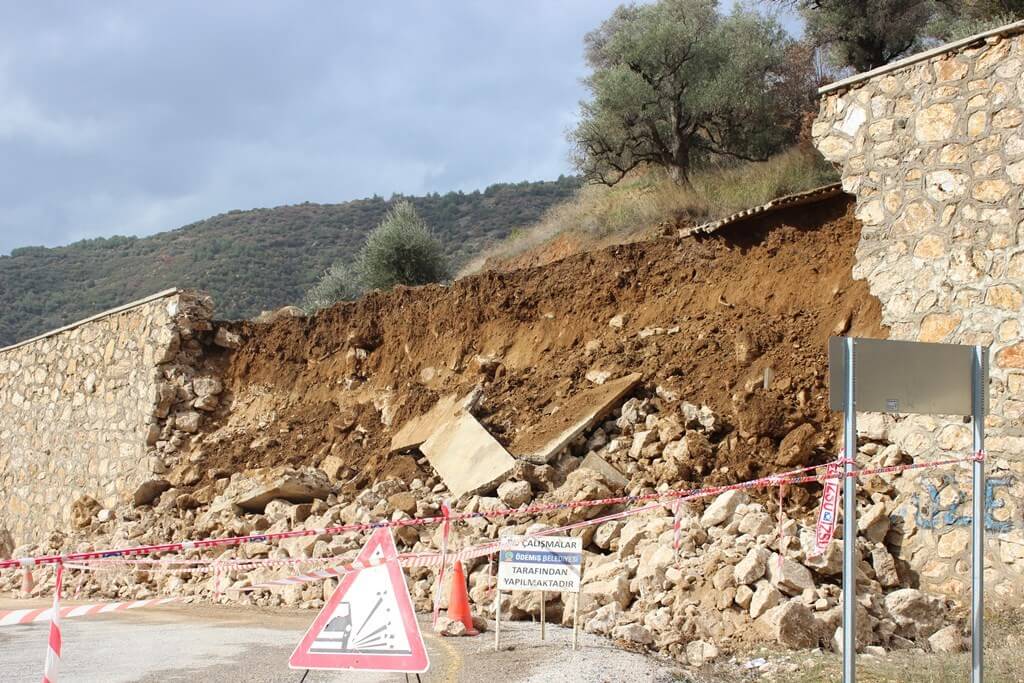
pixel 131 118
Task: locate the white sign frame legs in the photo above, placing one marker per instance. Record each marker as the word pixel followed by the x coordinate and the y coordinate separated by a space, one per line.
pixel 544 563
pixel 909 377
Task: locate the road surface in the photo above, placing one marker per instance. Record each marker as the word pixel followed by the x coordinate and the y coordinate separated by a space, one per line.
pixel 222 643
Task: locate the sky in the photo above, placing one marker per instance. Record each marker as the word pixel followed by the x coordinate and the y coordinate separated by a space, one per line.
pixel 132 118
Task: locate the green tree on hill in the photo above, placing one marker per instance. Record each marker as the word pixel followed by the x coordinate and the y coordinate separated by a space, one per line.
pixel 675 82
pixel 401 251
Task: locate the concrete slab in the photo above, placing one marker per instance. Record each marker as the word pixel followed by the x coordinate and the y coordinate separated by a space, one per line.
pixel 610 473
pixel 417 430
pixel 540 443
pixel 467 457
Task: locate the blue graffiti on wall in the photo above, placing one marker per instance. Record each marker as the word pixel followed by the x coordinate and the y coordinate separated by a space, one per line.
pixel 932 514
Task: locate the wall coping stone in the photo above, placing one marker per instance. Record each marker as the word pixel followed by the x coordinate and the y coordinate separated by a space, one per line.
pixel 1005 30
pixel 78 323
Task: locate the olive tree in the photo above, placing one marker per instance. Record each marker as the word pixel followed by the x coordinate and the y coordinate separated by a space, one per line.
pixel 401 251
pixel 338 283
pixel 674 82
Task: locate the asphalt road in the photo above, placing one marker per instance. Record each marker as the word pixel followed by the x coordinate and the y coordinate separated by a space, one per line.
pixel 211 643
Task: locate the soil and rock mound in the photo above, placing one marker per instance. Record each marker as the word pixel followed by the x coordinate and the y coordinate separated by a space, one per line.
pixel 727 332
pixel 707 319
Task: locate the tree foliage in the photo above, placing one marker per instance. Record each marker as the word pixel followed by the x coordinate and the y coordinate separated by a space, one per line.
pixel 675 82
pixel 401 251
pixel 865 34
pixel 338 283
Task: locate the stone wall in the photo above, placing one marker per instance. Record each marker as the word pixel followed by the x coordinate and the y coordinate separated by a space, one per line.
pixel 933 150
pixel 85 409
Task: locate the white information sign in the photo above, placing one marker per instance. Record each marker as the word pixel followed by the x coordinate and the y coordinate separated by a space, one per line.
pixel 540 563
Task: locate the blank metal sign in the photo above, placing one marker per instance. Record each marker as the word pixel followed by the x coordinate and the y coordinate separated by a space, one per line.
pixel 905 377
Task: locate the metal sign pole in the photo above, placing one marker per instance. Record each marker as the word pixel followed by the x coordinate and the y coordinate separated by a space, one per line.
pixel 849 525
pixel 978 390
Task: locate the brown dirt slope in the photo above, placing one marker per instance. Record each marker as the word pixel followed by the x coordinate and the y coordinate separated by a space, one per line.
pixel 704 318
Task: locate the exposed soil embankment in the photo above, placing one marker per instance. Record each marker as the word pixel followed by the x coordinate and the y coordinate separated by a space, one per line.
pixel 704 318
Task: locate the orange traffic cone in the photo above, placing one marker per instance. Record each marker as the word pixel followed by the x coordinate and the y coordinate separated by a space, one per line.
pixel 458 602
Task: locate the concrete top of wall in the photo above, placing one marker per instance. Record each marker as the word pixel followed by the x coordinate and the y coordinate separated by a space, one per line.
pixel 807 197
pixel 1008 29
pixel 113 311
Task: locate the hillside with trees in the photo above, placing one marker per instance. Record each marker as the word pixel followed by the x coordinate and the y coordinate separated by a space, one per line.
pixel 247 260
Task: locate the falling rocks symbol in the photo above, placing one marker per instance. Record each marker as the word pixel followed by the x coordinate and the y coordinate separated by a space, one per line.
pixel 369 623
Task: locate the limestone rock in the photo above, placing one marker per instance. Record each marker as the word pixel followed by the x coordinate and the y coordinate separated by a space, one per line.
pixel 253 490
pixel 885 567
pixel 874 522
pixel 791 624
pixel 83 511
pixel 333 467
pixel 699 651
pixel 789 576
pixel 404 501
pixel 227 339
pixel 633 633
pixel 947 639
pixel 515 493
pixel 751 568
pixel 765 597
pixel 796 446
pixel 916 614
pixel 722 508
pixel 148 491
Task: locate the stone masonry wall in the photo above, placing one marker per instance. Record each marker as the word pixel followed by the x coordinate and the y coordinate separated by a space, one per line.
pixel 934 153
pixel 84 410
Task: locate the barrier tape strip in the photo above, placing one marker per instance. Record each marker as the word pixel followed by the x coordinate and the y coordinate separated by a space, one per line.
pixel 33 616
pixel 178 546
pixel 427 559
pixel 445 531
pixel 531 510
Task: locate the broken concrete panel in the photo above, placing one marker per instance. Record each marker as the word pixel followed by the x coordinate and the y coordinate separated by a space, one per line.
pixel 542 442
pixel 467 457
pixel 258 487
pixel 418 429
pixel 611 475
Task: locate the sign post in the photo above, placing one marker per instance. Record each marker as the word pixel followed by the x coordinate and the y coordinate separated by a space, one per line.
pixel 849 523
pixel 909 377
pixel 979 377
pixel 538 563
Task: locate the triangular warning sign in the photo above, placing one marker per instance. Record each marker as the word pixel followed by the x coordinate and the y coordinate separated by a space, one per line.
pixel 369 623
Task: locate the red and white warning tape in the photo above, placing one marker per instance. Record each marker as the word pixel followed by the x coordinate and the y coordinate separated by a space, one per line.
pixel 34 616
pixel 51 668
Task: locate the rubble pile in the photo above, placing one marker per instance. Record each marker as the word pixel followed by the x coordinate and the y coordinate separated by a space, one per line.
pixel 727 586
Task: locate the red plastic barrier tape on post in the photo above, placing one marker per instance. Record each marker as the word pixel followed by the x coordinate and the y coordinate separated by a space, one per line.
pixel 439 586
pixel 828 512
pixel 51 668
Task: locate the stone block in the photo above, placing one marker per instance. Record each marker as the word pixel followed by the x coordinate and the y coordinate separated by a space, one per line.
pixel 256 488
pixel 610 473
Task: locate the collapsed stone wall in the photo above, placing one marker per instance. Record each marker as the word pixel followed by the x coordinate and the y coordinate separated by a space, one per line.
pixel 85 409
pixel 933 151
